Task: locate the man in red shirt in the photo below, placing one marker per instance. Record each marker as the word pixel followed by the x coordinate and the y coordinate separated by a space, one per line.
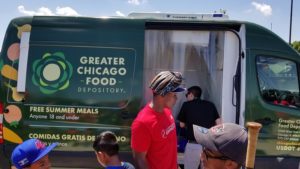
pixel 153 132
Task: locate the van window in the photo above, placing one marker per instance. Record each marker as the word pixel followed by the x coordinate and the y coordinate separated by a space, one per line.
pixel 278 81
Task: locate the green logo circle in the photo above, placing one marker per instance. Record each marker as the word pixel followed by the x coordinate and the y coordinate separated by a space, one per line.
pixel 52 73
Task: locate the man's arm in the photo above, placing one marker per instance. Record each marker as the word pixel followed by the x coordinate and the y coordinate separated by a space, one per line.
pixel 182 124
pixel 140 143
pixel 140 159
pixel 217 116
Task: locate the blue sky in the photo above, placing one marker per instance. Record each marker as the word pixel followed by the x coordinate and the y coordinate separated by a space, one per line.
pixel 272 14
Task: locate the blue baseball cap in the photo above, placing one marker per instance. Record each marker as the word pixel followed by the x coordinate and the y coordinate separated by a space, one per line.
pixel 29 152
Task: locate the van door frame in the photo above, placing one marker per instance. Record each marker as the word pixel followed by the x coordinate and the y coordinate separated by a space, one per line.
pixel 231 27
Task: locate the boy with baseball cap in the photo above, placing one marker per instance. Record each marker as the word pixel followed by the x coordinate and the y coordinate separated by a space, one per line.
pixel 32 154
pixel 224 146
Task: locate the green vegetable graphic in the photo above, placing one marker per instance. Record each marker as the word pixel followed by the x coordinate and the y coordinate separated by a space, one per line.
pixel 52 73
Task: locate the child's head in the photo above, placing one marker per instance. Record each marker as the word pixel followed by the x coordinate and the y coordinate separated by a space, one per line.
pixel 32 153
pixel 106 146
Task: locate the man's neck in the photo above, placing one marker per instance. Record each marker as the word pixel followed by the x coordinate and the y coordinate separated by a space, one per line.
pixel 156 105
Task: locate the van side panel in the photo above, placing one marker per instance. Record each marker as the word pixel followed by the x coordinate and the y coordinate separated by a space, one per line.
pixel 87 75
pixel 83 77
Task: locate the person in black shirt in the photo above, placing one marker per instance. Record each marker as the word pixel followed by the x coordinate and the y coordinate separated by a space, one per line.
pixel 199 112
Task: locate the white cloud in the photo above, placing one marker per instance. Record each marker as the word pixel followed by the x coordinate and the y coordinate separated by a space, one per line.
pixel 134 2
pixel 119 13
pixel 40 11
pixel 63 11
pixel 66 11
pixel 265 9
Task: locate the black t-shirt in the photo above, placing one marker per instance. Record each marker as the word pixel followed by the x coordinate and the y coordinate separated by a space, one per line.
pixel 200 112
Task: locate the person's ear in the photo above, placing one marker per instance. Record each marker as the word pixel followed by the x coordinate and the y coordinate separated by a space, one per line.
pixel 101 154
pixel 231 164
pixel 193 96
pixel 100 157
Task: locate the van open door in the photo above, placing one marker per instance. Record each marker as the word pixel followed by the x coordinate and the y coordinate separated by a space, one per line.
pixel 205 54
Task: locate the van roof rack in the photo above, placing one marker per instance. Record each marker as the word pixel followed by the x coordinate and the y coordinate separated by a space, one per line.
pixel 171 16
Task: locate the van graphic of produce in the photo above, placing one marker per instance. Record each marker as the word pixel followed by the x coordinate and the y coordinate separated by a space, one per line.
pixel 11 136
pixel 13 52
pixel 23 28
pixel 52 73
pixel 9 72
pixel 16 96
pixel 13 115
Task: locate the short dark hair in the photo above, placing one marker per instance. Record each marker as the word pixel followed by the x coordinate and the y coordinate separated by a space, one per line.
pixel 196 90
pixel 106 142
